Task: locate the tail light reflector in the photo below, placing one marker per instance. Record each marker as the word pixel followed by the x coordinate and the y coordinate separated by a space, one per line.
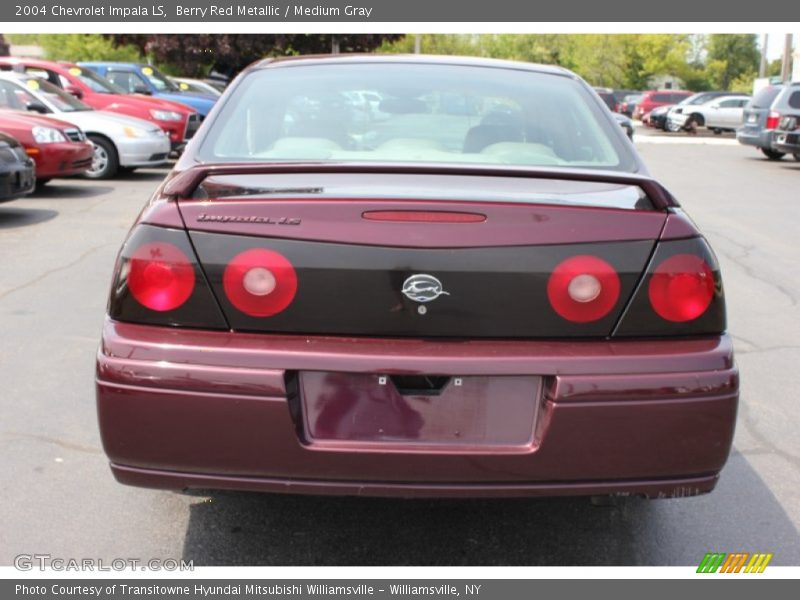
pixel 260 282
pixel 161 277
pixel 773 119
pixel 681 288
pixel 583 288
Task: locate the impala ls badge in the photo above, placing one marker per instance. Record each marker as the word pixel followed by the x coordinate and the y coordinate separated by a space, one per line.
pixel 423 288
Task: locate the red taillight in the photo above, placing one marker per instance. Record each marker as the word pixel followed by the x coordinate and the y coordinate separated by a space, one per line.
pixel 161 277
pixel 583 288
pixel 773 119
pixel 681 288
pixel 260 282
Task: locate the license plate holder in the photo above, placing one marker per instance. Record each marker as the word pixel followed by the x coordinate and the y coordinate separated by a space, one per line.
pixel 467 412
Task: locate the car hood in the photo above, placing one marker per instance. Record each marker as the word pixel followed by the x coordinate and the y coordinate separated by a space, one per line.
pixel 151 102
pixel 100 119
pixel 204 103
pixel 26 119
pixel 140 101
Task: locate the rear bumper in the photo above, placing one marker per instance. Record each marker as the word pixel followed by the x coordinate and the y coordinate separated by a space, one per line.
pixel 786 142
pixel 191 409
pixel 761 138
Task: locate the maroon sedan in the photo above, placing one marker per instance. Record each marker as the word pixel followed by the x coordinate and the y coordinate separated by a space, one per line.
pixel 469 286
pixel 59 149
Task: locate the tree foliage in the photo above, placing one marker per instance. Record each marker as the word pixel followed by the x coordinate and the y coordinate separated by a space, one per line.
pixel 628 61
pixel 77 47
pixel 197 54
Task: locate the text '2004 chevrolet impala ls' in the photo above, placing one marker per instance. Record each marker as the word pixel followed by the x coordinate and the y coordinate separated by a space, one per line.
pixel 415 276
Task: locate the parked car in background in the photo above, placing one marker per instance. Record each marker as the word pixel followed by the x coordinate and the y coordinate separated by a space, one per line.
pixel 58 148
pixel 17 170
pixel 136 78
pixel 620 95
pixel 177 120
pixel 687 105
pixel 628 104
pixel 760 122
pixel 484 298
pixel 195 86
pixel 654 99
pixel 657 118
pixel 719 114
pixel 119 141
pixel 607 96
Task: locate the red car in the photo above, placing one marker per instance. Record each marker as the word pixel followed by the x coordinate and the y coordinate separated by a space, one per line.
pixel 654 99
pixel 59 149
pixel 178 120
pixel 479 293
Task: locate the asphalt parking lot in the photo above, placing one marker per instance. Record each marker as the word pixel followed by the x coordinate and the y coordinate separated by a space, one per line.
pixel 58 496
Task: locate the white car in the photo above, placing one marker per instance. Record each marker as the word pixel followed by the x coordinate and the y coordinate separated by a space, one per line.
pixel 724 113
pixel 120 142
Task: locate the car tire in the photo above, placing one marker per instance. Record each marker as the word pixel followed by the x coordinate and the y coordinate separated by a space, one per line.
pixel 772 154
pixel 796 156
pixel 105 160
pixel 717 131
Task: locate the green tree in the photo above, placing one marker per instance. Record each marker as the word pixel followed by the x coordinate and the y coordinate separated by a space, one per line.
pixel 731 57
pixel 76 47
pixel 198 54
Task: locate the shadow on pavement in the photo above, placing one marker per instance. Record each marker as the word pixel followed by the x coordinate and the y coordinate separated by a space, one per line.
pixel 11 217
pixel 253 529
pixel 62 188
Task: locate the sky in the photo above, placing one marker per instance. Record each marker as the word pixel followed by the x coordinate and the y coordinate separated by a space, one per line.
pixel 775 44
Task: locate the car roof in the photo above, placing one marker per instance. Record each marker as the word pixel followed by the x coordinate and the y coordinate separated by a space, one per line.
pixel 358 58
pixel 110 63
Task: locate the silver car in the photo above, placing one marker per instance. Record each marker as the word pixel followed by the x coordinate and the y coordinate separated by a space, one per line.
pixel 119 141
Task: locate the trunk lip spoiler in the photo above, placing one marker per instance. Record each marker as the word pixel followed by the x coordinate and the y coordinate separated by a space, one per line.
pixel 184 183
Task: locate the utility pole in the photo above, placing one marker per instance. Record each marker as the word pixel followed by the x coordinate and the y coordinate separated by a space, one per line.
pixel 417 44
pixel 762 68
pixel 787 58
pixel 796 62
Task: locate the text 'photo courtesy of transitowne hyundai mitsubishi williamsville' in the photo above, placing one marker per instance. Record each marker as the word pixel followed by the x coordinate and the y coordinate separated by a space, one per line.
pixel 472 287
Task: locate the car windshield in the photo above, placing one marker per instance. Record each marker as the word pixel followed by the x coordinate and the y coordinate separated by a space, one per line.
pixel 696 99
pixel 159 80
pixel 19 94
pixel 98 84
pixel 421 113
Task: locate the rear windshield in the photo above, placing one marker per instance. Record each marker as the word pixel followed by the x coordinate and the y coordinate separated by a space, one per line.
pixel 392 112
pixel 765 96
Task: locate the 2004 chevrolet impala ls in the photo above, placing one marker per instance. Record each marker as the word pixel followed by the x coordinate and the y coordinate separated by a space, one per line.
pixel 415 276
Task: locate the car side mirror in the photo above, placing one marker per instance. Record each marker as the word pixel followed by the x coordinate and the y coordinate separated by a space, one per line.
pixel 74 90
pixel 142 89
pixel 36 106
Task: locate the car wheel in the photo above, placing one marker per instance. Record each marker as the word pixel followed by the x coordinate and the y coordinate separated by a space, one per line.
pixel 772 154
pixel 105 161
pixel 796 156
pixel 717 131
